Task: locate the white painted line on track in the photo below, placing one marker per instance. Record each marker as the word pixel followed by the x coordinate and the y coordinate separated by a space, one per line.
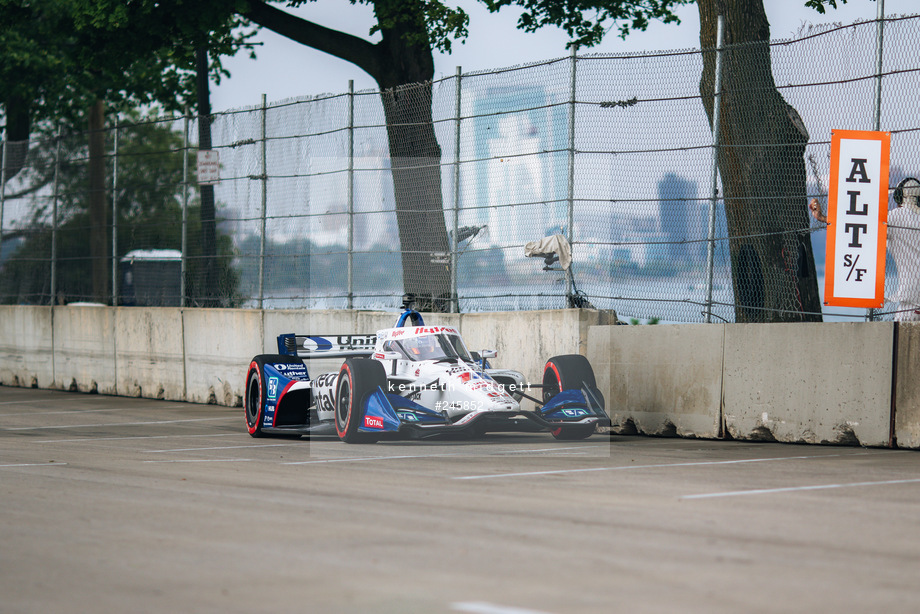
pixel 633 467
pixel 83 426
pixel 72 411
pixel 203 460
pixel 253 445
pixel 32 465
pixel 480 607
pixel 359 459
pixel 83 439
pixel 548 450
pixel 479 452
pixel 770 491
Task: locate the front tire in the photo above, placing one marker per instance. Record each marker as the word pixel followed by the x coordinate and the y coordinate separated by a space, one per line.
pixel 568 372
pixel 358 378
pixel 254 399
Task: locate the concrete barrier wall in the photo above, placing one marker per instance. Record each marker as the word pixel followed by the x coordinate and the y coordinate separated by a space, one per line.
pixel 149 360
pixel 201 355
pixel 809 383
pixel 84 349
pixel 797 383
pixel 26 347
pixel 660 380
pixel 907 387
pixel 812 383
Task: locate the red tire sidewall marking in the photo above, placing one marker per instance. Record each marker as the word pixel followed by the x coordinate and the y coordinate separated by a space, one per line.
pixel 552 366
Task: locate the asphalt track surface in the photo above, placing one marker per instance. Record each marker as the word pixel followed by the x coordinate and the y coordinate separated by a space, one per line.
pixel 129 505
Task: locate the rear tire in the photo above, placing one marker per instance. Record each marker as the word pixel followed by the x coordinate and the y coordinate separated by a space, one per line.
pixel 358 378
pixel 254 397
pixel 568 372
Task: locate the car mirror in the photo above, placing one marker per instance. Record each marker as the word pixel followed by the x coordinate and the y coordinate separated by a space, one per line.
pixel 488 353
pixel 388 355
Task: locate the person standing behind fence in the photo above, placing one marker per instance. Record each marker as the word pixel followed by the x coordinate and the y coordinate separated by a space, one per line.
pixel 903 244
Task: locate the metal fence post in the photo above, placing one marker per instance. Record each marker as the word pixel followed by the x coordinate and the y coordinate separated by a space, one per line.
pixel 716 100
pixel 571 187
pixel 2 187
pixel 54 217
pixel 264 203
pixel 877 123
pixel 115 215
pixel 454 243
pixel 879 45
pixel 183 263
pixel 351 194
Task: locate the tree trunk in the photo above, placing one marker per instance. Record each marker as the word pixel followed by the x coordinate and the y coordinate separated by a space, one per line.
pixel 761 162
pixel 98 233
pixel 403 66
pixel 415 158
pixel 208 293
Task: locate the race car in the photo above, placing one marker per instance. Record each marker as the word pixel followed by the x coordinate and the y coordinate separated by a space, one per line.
pixel 413 381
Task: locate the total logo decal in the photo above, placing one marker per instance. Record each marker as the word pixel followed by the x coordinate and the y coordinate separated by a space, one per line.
pixel 373 422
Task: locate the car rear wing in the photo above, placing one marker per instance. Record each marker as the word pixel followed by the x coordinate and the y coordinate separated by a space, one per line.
pixel 326 346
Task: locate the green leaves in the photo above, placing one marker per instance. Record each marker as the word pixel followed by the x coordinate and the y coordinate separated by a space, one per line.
pixel 818 5
pixel 587 21
pixel 60 55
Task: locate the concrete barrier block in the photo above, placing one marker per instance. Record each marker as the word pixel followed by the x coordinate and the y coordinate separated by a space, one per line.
pixel 660 380
pixel 148 358
pixel 219 344
pixel 84 348
pixel 26 350
pixel 810 383
pixel 907 392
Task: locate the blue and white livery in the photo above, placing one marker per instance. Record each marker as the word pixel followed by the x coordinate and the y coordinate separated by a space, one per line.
pixel 413 381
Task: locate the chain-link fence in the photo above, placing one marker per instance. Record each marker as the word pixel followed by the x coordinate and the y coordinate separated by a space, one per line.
pixel 348 201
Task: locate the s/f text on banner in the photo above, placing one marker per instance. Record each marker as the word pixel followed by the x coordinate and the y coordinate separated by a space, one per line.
pixel 857 212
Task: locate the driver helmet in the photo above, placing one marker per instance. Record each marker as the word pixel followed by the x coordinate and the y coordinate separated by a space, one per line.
pixel 425 347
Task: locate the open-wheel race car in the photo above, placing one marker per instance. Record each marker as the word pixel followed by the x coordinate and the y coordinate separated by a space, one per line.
pixel 413 381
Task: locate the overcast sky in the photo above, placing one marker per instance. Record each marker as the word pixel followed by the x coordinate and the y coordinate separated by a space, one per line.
pixel 285 69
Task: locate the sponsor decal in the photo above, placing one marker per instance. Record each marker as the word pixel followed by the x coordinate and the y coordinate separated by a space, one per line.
pixel 317 344
pixel 574 413
pixel 469 417
pixel 272 388
pixel 326 379
pixel 398 333
pixel 378 356
pixel 284 368
pixel 373 422
pixel 340 342
pixel 407 416
pixel 357 342
pixel 420 330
